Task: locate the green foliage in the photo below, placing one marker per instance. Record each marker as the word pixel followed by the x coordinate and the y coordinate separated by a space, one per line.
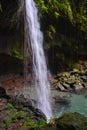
pixel 41 5
pixel 31 124
pixel 80 15
pixel 75 12
pixel 69 20
pixel 48 7
pixel 17 51
pixel 64 24
pixel 56 8
pixel 11 115
pixel 14 116
pixel 51 31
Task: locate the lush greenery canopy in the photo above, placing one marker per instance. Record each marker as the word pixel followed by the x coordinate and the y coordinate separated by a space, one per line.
pixel 63 22
pixel 73 10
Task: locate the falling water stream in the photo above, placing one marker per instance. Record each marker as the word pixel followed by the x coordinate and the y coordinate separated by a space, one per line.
pixel 41 90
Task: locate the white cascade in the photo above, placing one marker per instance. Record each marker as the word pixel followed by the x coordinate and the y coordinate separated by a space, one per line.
pixel 41 89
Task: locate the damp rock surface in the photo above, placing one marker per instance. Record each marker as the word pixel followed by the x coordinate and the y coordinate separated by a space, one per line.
pixel 69 121
pixel 72 121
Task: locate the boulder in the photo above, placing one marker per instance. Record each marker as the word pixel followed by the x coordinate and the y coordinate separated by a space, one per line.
pixel 61 88
pixel 69 121
pixel 20 103
pixel 61 100
pixel 72 121
pixel 75 71
pixel 71 82
pixel 78 87
pixel 67 86
pixel 84 78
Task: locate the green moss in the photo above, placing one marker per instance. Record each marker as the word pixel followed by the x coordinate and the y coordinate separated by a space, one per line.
pixel 72 121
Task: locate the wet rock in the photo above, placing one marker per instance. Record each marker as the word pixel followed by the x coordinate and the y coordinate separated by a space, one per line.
pixel 3 93
pixel 22 103
pixel 75 71
pixel 3 115
pixel 71 82
pixel 67 86
pixel 3 108
pixel 35 103
pixel 78 87
pixel 61 100
pixel 3 104
pixel 84 78
pixel 60 87
pixel 63 74
pixel 39 114
pixel 84 85
pixel 71 121
pixel 19 101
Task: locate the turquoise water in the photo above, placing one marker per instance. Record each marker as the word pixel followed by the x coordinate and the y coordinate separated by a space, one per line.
pixel 78 103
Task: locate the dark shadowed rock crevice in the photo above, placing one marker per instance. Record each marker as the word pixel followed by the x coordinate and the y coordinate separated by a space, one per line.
pixel 10 64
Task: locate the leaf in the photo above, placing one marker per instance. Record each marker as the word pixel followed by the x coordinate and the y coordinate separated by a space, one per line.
pixel 56 14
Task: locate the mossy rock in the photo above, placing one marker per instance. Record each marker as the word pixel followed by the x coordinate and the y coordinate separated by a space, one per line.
pixel 72 121
pixel 69 121
pixel 75 71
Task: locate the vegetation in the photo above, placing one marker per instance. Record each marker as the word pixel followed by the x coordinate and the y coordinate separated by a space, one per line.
pixel 65 31
pixel 20 119
pixel 64 24
pixel 73 12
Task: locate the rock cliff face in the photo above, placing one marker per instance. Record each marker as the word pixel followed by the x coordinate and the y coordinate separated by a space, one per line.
pixel 10 29
pixel 8 17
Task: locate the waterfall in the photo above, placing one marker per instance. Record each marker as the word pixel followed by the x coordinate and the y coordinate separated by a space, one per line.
pixel 41 90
